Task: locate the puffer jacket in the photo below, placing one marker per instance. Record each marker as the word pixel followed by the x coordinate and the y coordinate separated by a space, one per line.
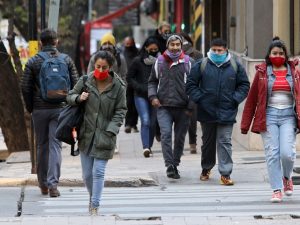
pixel 30 81
pixel 256 103
pixel 138 76
pixel 217 91
pixel 167 83
pixel 104 114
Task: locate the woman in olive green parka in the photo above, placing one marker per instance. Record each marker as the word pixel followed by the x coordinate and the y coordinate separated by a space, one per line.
pixel 104 100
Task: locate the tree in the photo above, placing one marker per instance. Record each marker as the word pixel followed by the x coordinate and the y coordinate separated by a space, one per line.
pixel 12 113
pixel 12 120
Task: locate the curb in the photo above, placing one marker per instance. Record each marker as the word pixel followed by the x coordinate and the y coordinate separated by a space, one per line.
pixel 70 182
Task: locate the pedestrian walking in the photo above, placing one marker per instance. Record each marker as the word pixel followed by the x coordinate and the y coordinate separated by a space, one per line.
pixel 273 105
pixel 218 84
pixel 45 103
pixel 137 79
pixel 130 51
pixel 105 108
pixel 108 43
pixel 196 55
pixel 162 33
pixel 166 91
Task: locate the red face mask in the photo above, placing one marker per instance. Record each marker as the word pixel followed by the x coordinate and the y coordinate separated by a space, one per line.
pixel 277 61
pixel 101 75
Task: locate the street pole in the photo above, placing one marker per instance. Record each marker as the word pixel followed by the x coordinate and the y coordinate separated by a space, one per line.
pixel 53 14
pixel 43 14
pixel 90 10
pixel 33 49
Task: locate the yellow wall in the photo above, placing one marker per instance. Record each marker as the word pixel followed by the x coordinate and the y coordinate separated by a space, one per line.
pixel 281 17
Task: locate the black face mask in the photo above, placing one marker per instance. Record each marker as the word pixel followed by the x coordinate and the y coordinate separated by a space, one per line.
pixel 154 54
pixel 130 48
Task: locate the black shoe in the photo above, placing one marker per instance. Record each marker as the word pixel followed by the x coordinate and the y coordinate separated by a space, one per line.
pixel 176 173
pixel 158 139
pixel 127 129
pixel 170 171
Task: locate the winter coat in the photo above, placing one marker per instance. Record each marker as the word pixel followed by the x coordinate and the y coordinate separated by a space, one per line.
pixel 30 81
pixel 138 76
pixel 218 91
pixel 256 103
pixel 167 83
pixel 104 114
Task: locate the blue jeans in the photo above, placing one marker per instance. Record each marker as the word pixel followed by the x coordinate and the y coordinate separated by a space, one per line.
pixel 280 144
pixel 145 112
pixel 93 171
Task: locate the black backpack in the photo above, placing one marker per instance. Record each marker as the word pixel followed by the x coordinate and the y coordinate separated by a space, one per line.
pixel 69 121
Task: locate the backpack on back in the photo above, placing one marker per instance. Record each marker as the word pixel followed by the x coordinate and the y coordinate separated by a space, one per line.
pixel 232 62
pixel 54 78
pixel 160 61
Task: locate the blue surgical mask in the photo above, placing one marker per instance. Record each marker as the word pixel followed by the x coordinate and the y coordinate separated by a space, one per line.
pixel 217 58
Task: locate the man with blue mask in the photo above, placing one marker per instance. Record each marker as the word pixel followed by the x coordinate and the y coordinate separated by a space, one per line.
pixel 218 84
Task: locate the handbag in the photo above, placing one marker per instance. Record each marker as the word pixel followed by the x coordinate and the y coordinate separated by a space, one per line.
pixel 69 122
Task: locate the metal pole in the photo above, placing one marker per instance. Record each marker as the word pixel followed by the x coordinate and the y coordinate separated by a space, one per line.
pixel 53 14
pixel 33 49
pixel 90 10
pixel 43 14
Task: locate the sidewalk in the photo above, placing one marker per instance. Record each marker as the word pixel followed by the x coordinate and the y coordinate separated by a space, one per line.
pixel 129 168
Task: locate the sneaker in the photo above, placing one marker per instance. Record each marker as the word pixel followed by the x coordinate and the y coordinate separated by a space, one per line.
pixel 54 192
pixel 176 173
pixel 225 180
pixel 147 152
pixel 193 148
pixel 205 175
pixel 127 129
pixel 288 187
pixel 170 171
pixel 44 190
pixel 94 212
pixel 276 196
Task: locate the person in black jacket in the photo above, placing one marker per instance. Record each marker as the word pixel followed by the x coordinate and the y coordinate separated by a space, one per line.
pixel 45 115
pixel 137 79
pixel 217 89
pixel 130 51
pixel 162 34
pixel 166 91
pixel 196 55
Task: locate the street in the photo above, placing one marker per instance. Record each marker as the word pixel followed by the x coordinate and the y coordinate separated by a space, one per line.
pixel 138 192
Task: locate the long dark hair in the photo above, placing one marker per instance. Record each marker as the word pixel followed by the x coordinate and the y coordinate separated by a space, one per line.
pixel 276 42
pixel 150 40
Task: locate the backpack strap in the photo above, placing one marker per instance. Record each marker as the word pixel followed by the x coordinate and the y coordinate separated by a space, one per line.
pixel 160 61
pixel 187 63
pixel 44 55
pixel 232 62
pixel 203 64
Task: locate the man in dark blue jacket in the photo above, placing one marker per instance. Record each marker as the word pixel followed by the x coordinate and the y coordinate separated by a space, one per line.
pixel 218 84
